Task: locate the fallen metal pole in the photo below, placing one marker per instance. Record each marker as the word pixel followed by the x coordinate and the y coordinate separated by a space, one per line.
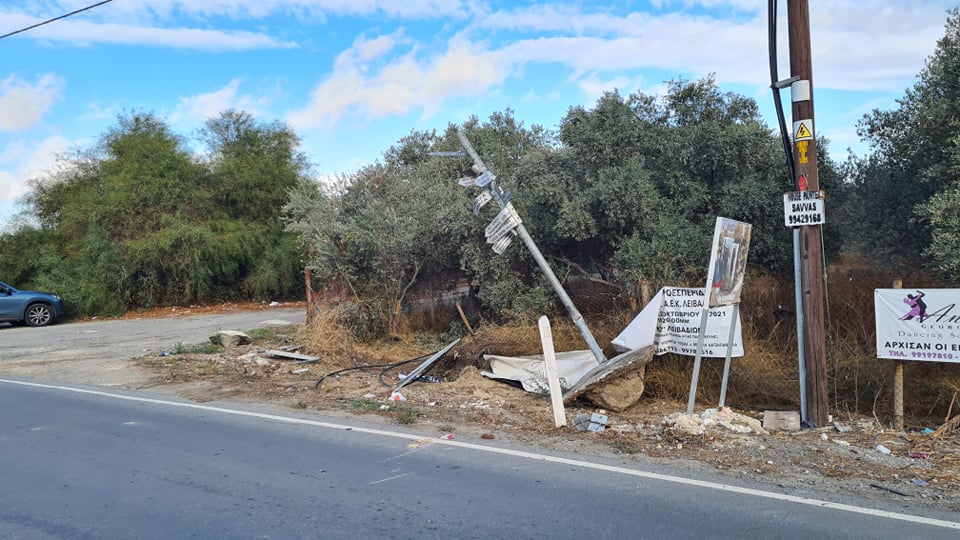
pixel 537 256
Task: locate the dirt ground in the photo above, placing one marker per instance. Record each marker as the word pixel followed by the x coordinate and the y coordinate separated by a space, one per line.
pixel 854 455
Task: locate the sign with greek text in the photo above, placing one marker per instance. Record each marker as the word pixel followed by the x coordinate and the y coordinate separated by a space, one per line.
pixel 922 324
pixel 506 221
pixel 803 208
pixel 502 244
pixel 671 322
pixel 484 179
pixel 482 199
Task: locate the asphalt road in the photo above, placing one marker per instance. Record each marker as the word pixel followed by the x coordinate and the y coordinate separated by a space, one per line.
pixel 90 465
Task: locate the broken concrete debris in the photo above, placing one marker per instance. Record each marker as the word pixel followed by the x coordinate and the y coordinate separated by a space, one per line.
pixel 595 422
pixel 616 385
pixel 693 424
pixel 781 420
pixel 230 338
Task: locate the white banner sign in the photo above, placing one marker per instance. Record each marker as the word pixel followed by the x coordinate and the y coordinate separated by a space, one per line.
pixel 918 324
pixel 671 321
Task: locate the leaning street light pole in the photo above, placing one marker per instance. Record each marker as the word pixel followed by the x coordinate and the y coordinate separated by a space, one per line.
pixel 805 178
pixel 502 199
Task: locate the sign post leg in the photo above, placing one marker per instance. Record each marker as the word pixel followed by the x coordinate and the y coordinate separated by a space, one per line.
pixel 898 382
pixel 696 362
pixel 726 364
pixel 553 379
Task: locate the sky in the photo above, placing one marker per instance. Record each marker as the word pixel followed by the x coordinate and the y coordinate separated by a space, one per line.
pixel 352 77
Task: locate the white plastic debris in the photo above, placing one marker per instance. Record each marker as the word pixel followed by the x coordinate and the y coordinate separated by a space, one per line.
pixel 883 449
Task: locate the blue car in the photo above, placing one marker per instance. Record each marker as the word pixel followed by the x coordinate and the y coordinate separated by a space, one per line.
pixel 28 307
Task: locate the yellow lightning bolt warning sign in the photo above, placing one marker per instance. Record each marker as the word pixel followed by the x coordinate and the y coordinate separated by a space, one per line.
pixel 803 130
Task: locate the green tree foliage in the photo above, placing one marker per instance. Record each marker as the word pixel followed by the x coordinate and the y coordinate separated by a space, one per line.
pixel 649 175
pixel 903 197
pixel 139 220
pixel 630 189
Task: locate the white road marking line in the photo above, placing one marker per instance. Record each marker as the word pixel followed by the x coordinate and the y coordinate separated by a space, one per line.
pixel 518 453
pixel 389 478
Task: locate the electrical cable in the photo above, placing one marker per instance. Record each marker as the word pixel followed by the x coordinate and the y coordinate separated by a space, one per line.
pixel 48 21
pixel 375 366
pixel 774 79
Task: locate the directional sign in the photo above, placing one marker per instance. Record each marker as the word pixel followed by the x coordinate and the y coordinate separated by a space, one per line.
pixel 484 179
pixel 481 200
pixel 803 208
pixel 501 225
pixel 502 244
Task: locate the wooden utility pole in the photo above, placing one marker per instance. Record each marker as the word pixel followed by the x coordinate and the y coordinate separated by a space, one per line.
pixel 811 253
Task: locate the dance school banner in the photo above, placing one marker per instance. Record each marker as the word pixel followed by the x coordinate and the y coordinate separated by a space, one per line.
pixel 919 324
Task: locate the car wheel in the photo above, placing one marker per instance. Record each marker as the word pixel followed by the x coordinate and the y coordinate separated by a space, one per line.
pixel 39 315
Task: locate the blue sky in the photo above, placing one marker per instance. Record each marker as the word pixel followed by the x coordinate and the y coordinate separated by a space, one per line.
pixel 354 76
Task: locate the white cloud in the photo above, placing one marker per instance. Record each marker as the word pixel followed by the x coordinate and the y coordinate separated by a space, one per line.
pixel 593 87
pixel 356 86
pixel 856 45
pixel 159 10
pixel 318 8
pixel 20 162
pixel 97 111
pixel 203 106
pixel 84 32
pixel 23 105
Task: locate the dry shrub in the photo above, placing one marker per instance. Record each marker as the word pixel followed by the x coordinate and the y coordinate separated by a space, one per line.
pixel 668 377
pixel 326 335
pixel 767 376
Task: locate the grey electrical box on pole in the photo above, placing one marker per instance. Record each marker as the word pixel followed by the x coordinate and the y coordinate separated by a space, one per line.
pixel 508 224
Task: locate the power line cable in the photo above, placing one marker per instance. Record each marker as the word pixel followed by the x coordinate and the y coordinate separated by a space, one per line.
pixel 48 21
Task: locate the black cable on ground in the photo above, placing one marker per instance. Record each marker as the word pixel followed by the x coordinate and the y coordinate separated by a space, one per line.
pixel 375 366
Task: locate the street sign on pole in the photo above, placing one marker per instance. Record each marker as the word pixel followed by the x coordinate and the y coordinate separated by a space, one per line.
pixel 502 235
pixel 803 208
pixel 484 179
pixel 482 199
pixel 506 221
pixel 502 244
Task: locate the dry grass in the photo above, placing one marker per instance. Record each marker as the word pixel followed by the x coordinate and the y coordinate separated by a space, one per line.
pixel 766 377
